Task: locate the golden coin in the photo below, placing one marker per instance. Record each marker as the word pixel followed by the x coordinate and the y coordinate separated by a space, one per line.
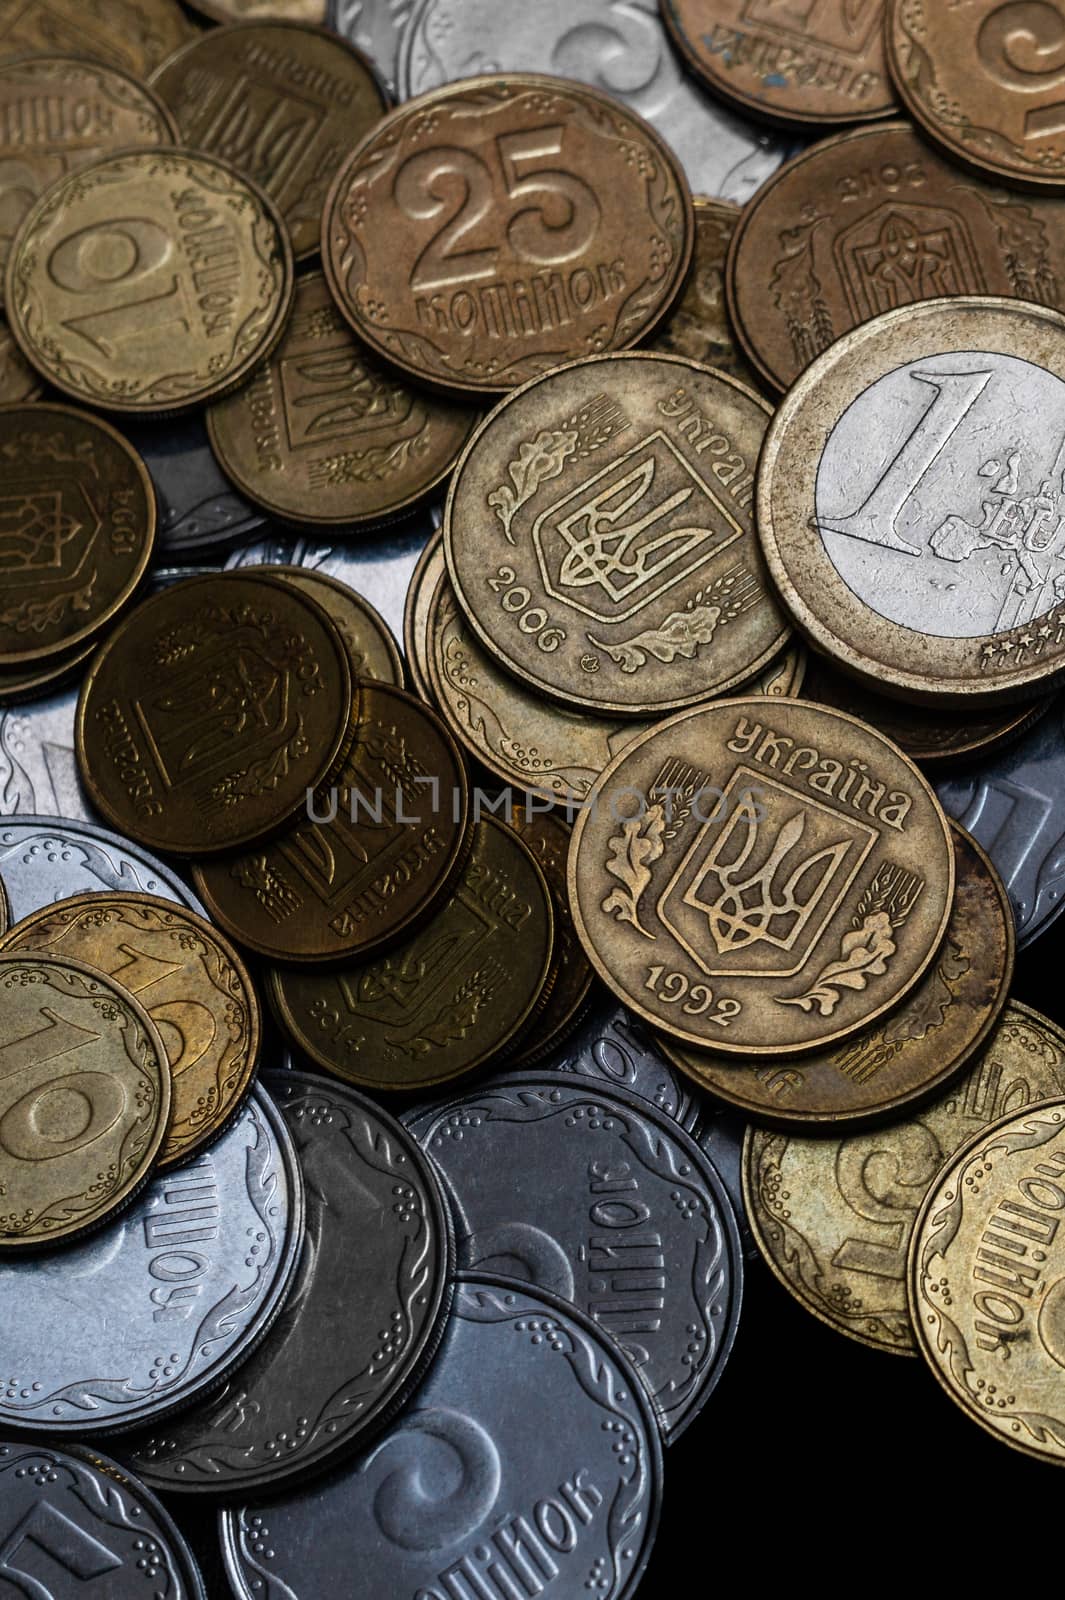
pixel 783 678
pixel 372 651
pixel 84 1098
pixel 600 538
pixel 283 102
pixel 567 229
pixel 548 837
pixel 325 434
pixel 211 710
pixel 191 982
pixel 449 999
pixel 39 678
pixel 77 534
pixel 910 528
pixel 151 281
pixel 5 909
pixel 18 381
pixel 307 11
pixel 987 1281
pixel 416 612
pixel 833 1217
pixel 134 35
pixel 910 1053
pixel 699 327
pixel 761 876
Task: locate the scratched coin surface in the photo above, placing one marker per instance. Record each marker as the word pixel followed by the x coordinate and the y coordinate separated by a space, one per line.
pixel 834 1217
pixel 914 533
pixel 548 837
pixel 372 651
pixel 588 235
pixel 150 281
pixel 188 978
pixel 761 876
pixel 198 507
pixel 699 326
pixel 48 858
pixel 133 35
pixel 85 1100
pixel 471 1484
pixel 600 538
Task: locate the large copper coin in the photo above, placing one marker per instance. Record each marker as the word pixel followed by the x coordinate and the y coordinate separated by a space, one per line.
pixel 210 712
pixel 699 326
pixel 134 35
pixel 372 651
pixel 548 837
pixel 493 228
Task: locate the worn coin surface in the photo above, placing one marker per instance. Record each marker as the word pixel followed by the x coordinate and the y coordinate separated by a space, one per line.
pixel 150 281
pixel 85 1098
pixel 913 532
pixel 133 35
pixel 833 1217
pixel 372 651
pixel 18 381
pixel 600 538
pixel 761 876
pixel 198 508
pixel 588 236
pixel 548 837
pixel 564 1504
pixel 699 327
pixel 611 1045
pixel 44 859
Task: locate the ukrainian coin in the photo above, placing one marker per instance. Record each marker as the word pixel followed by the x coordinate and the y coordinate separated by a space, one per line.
pixel 562 1503
pixel 909 1054
pixel 761 876
pixel 18 381
pixel 910 529
pixel 192 984
pixel 699 328
pixel 5 909
pixel 210 712
pixel 85 1099
pixel 151 281
pixel 375 27
pixel 833 1217
pixel 133 35
pixel 593 1196
pixel 447 1000
pixel 372 651
pixel 157 1307
pixel 417 611
pixel 44 859
pixel 310 12
pixel 39 677
pixel 720 1134
pixel 198 507
pixel 325 434
pixel 600 538
pixel 360 1324
pixel 283 101
pixel 784 678
pixel 548 837
pixel 611 1045
pixel 590 232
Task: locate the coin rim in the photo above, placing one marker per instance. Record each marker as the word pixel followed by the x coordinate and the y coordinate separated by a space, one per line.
pixel 414 649
pixel 350 596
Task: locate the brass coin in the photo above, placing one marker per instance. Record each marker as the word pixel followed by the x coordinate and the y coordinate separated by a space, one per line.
pixel 806 66
pixel 150 281
pixel 306 11
pixel 548 837
pixel 191 982
pixel 5 909
pixel 84 1098
pixel 446 1001
pixel 833 1217
pixel 324 434
pixel 783 678
pixel 42 677
pixel 373 857
pixel 77 532
pixel 210 711
pixel 699 327
pixel 987 1280
pixel 761 876
pixel 911 526
pixel 134 35
pixel 18 381
pixel 416 613
pixel 567 230
pixel 372 651
pixel 283 102
pixel 910 1053
pixel 600 537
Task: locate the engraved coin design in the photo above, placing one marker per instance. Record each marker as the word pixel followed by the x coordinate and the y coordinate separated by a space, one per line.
pixel 198 507
pixel 18 381
pixel 834 1217
pixel 133 35
pixel 548 837
pixel 375 27
pixel 588 237
pixel 761 876
pixel 372 651
pixel 84 1098
pixel 600 538
pixel 557 1505
pixel 150 281
pixel 44 859
pixel 614 1047
pixel 913 533
pixel 159 1305
pixel 699 327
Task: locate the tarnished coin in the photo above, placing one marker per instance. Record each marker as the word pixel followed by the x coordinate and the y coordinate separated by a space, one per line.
pixel 611 1045
pixel 449 999
pixel 44 859
pixel 18 381
pixel 198 507
pixel 39 678
pixel 914 533
pixel 561 1473
pixel 699 327
pixel 192 984
pixel 84 1102
pixel 210 712
pixel 150 281
pixel 588 235
pixel 305 11
pixel 761 877
pixel 553 1181
pixel 134 35
pixel 548 837
pixel 372 651
pixel 811 65
pixel 157 1307
pixel 283 101
pixel 910 1053
pixel 833 1217
pixel 418 610
pixel 600 538
pixel 324 434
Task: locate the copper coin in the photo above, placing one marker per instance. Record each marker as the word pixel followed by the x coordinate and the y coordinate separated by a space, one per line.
pixel 39 678
pixel 416 613
pixel 567 230
pixel 372 651
pixel 548 837
pixel 306 11
pixel 18 381
pixel 134 35
pixel 699 326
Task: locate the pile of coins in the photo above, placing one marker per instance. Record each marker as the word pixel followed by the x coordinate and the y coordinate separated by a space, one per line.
pixel 402 1045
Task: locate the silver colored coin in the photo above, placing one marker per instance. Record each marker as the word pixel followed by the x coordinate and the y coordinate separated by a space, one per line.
pixel 720 1133
pixel 591 1195
pixel 44 859
pixel 527 1461
pixel 157 1308
pixel 376 27
pixel 197 505
pixel 617 45
pixel 610 1045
